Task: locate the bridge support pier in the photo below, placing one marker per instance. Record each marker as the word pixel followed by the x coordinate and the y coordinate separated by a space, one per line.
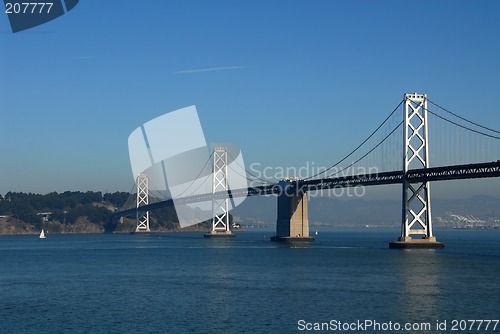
pixel 417 219
pixel 292 224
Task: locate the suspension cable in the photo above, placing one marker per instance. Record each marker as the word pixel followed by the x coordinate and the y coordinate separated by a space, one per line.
pixel 354 151
pixel 246 177
pixel 197 176
pixel 463 119
pixel 256 177
pixel 130 196
pixel 202 183
pixel 373 149
pixel 463 126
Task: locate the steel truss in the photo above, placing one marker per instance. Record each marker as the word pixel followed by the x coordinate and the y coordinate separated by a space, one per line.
pixel 416 197
pixel 142 200
pixel 220 204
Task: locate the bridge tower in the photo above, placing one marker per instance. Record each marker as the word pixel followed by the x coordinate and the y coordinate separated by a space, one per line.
pixel 292 224
pixel 416 213
pixel 220 206
pixel 142 199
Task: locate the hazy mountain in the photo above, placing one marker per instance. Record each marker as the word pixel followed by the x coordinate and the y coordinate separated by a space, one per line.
pixel 355 212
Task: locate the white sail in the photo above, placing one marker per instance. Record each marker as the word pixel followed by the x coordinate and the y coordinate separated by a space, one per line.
pixel 42 234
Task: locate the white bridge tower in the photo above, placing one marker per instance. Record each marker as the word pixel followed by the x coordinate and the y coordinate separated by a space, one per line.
pixel 416 217
pixel 220 205
pixel 142 199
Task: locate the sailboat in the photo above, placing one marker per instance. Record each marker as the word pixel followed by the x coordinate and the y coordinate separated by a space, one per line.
pixel 42 235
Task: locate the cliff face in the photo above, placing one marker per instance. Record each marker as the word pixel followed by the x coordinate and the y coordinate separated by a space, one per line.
pixel 12 226
pixel 67 212
pixel 128 225
pixel 82 225
pixel 15 226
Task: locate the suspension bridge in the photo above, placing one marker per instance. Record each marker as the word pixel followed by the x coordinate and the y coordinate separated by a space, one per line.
pixel 398 151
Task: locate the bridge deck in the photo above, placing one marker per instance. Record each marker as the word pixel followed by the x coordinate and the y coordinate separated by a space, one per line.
pixel 456 172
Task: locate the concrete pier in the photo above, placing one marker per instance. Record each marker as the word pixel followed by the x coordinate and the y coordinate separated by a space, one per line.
pixel 143 232
pixel 219 234
pixel 423 243
pixel 292 225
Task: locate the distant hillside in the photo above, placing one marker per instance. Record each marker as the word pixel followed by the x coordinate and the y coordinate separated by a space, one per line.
pixel 73 212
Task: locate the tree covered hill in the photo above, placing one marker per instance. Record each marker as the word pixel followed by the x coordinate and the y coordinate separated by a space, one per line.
pixel 73 212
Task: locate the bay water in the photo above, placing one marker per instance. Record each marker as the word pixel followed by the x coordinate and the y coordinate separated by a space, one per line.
pixel 182 283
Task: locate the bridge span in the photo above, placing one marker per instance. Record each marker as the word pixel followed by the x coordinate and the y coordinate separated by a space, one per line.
pixel 458 172
pixel 292 219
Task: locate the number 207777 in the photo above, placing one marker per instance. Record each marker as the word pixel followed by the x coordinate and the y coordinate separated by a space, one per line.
pixel 28 7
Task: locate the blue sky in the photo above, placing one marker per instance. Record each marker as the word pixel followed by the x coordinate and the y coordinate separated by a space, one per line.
pixel 286 81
